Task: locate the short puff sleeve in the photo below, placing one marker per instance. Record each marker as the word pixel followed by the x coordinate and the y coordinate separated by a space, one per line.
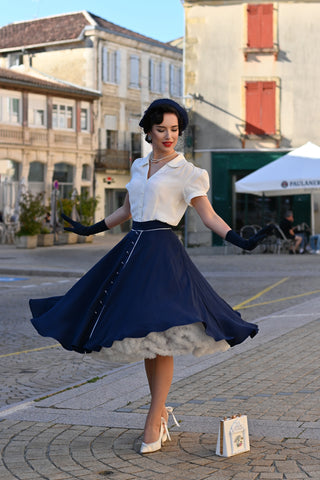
pixel 197 185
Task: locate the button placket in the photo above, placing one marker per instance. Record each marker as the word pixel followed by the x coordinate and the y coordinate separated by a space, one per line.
pixel 107 287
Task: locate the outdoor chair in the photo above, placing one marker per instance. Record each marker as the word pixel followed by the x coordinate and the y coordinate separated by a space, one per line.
pixel 2 232
pixel 279 242
pixel 248 231
pixel 9 232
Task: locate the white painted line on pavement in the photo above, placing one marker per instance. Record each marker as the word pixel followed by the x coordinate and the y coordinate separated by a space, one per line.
pixel 8 411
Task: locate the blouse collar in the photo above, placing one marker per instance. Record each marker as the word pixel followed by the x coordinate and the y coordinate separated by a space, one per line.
pixel 176 162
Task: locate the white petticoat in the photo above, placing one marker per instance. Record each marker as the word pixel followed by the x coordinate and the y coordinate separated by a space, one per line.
pixel 179 340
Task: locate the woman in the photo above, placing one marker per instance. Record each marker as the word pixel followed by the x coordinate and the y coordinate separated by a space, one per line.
pixel 146 299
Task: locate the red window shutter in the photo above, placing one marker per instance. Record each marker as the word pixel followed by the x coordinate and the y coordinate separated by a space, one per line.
pixel 268 107
pixel 253 26
pixel 252 108
pixel 266 26
pixel 260 108
pixel 260 26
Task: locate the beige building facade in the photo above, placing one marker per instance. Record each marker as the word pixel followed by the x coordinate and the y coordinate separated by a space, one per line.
pixel 251 75
pixel 46 135
pixel 128 69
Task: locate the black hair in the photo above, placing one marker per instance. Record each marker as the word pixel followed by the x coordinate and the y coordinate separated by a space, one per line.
pixel 154 116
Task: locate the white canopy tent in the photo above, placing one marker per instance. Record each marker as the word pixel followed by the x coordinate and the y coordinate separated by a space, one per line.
pixel 296 173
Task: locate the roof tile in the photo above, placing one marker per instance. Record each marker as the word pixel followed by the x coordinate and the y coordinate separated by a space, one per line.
pixel 62 28
pixel 43 30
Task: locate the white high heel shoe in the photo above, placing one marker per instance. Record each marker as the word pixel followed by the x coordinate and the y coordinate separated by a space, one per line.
pixel 154 446
pixel 166 434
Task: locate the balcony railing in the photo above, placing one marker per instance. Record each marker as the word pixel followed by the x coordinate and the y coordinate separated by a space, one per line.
pixel 41 137
pixel 113 159
pixel 11 135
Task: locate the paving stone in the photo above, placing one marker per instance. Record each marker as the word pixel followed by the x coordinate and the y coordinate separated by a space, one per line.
pixel 94 431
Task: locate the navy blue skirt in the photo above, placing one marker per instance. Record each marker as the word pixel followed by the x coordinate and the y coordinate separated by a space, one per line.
pixel 146 283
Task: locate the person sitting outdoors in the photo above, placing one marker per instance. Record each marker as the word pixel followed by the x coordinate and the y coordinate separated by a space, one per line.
pixel 287 227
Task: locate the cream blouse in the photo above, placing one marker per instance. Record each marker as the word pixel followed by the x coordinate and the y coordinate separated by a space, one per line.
pixel 166 195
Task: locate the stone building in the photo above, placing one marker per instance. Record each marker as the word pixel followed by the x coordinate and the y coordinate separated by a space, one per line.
pixel 251 76
pixel 46 135
pixel 129 69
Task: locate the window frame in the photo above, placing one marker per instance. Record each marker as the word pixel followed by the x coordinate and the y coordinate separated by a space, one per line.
pixel 85 107
pixel 157 76
pixel 10 113
pixel 7 97
pixel 66 106
pixel 272 49
pixel 111 65
pixel 276 80
pixel 15 59
pixel 33 108
pixel 112 139
pixel 86 172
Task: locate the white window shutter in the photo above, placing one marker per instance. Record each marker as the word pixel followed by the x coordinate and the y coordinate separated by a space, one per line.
pixel 104 64
pixel 172 83
pixel 151 74
pixel 162 77
pixel 180 82
pixel 118 66
pixel 134 71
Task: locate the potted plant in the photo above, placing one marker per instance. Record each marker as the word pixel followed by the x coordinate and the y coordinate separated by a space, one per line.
pixel 86 207
pixel 32 211
pixel 66 206
pixel 45 237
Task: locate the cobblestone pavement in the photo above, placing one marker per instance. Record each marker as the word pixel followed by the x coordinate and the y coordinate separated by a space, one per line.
pixel 54 451
pixel 93 430
pixel 268 383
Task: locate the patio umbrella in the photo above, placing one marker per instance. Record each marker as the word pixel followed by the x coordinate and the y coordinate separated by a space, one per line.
pixel 296 173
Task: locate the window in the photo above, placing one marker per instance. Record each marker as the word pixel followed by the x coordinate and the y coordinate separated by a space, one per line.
pixel 36 172
pixel 157 76
pixel 39 118
pixel 175 81
pixel 111 139
pixel 62 116
pixel 134 81
pixel 84 115
pixel 110 66
pixel 10 107
pixel 10 169
pixel 36 177
pixel 86 172
pixel 84 191
pixel 63 173
pixel 260 26
pixel 261 108
pixel 15 59
pixel 14 110
pixel 37 110
pixel 135 146
pixel 84 119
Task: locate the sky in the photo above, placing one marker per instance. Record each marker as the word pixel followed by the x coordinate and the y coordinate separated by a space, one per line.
pixel 159 19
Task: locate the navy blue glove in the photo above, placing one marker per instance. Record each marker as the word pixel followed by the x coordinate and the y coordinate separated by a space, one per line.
pixel 80 229
pixel 252 242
